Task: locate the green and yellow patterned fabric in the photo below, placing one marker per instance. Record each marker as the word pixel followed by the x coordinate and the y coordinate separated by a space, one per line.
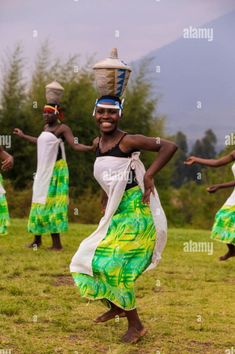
pixel 123 255
pixel 224 225
pixel 53 216
pixel 4 215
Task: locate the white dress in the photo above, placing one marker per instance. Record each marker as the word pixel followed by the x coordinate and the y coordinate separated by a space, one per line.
pixel 224 226
pixel 106 170
pixel 47 150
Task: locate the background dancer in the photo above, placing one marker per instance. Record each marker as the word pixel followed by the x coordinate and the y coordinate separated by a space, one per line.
pixel 49 211
pixel 7 164
pixel 224 225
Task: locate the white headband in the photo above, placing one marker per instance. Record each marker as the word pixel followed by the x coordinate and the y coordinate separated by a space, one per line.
pixel 116 106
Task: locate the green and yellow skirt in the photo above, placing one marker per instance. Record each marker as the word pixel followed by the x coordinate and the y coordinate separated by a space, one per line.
pixel 52 217
pixel 4 214
pixel 224 226
pixel 123 255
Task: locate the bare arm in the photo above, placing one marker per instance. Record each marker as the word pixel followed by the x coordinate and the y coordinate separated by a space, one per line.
pixel 29 138
pixel 7 160
pixel 216 187
pixel 166 149
pixel 227 185
pixel 104 200
pixel 211 162
pixel 69 137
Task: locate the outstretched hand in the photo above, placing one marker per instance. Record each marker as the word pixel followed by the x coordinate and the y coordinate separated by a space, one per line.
pixel 213 189
pixel 148 188
pixel 18 132
pixel 190 160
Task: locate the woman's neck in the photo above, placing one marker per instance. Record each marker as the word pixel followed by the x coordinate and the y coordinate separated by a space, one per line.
pixel 52 125
pixel 110 136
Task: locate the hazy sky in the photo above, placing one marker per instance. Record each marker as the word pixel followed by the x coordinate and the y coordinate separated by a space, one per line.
pixel 90 26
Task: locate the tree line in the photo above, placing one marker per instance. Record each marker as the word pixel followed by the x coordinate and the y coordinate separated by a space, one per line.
pixel 21 104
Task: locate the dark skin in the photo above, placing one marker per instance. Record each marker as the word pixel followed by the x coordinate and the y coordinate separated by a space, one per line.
pixel 7 160
pixel 107 120
pixel 111 135
pixel 60 130
pixel 222 161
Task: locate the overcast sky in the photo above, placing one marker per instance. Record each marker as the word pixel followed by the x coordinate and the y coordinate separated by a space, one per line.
pixel 90 26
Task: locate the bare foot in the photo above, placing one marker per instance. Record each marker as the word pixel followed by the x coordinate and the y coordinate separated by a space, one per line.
pixel 143 331
pixel 133 335
pixel 52 248
pixel 109 315
pixel 227 255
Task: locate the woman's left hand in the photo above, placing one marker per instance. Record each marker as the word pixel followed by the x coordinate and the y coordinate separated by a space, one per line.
pixel 148 188
pixel 213 189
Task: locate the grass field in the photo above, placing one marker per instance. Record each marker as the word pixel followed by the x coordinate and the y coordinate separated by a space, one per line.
pixel 187 302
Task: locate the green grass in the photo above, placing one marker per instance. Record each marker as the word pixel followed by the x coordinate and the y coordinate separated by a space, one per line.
pixel 42 312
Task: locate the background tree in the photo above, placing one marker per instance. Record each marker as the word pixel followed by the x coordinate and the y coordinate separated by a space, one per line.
pixel 205 148
pixel 180 174
pixel 12 101
pixel 185 202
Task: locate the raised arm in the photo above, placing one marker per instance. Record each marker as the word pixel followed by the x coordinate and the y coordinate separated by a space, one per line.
pixel 166 149
pixel 69 137
pixel 211 162
pixel 21 134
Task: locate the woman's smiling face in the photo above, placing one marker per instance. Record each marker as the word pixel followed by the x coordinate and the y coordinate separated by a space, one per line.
pixel 107 118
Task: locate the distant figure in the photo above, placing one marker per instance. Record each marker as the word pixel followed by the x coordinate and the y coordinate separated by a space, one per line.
pixel 49 211
pixel 224 226
pixel 7 164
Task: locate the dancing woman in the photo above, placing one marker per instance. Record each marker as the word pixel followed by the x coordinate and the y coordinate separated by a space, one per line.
pixel 132 233
pixel 49 210
pixel 224 225
pixel 7 163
